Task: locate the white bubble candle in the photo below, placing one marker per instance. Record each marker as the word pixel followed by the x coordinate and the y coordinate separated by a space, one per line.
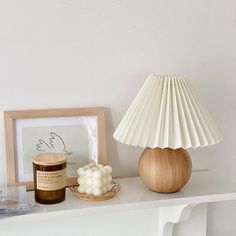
pixel 95 179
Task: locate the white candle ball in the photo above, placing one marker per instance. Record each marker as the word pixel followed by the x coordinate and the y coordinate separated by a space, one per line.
pixel 81 189
pixel 88 190
pixel 97 183
pixel 109 187
pixel 97 174
pixel 89 181
pixel 109 169
pixel 104 181
pixel 104 190
pixel 81 180
pixel 109 178
pixel 94 179
pixel 104 172
pixel 88 172
pixel 84 179
pixel 81 171
pixel 100 166
pixel 97 191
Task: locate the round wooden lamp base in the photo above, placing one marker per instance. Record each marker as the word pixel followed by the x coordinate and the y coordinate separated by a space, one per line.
pixel 165 170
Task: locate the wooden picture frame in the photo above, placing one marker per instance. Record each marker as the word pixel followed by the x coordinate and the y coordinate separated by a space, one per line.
pixel 13 126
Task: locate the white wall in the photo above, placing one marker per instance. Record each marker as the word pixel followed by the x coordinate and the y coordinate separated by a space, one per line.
pixel 79 53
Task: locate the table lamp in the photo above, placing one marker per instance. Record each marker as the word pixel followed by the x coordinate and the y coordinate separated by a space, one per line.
pixel 166 118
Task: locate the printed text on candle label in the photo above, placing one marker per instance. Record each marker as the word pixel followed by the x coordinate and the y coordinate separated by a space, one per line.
pixel 51 180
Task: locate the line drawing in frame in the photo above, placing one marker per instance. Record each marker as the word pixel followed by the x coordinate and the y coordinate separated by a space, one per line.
pixel 43 146
pixel 77 132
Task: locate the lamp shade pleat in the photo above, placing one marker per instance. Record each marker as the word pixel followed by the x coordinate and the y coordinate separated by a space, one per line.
pixel 167 113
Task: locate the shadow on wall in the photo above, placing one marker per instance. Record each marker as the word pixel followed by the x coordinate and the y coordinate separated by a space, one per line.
pixel 122 161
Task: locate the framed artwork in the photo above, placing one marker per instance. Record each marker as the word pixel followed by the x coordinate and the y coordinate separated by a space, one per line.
pixel 77 132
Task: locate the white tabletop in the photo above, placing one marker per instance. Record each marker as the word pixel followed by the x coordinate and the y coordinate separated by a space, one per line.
pixel 203 187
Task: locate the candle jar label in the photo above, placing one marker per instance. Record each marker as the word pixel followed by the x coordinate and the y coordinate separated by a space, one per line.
pixel 51 180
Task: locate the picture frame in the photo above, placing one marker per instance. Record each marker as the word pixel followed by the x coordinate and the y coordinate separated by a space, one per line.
pixel 78 132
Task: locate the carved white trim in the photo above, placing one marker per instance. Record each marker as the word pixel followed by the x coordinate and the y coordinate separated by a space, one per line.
pixel 168 216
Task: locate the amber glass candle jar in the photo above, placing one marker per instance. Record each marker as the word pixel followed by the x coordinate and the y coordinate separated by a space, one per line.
pixel 49 177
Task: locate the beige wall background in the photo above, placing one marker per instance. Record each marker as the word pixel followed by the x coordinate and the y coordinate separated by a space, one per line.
pixel 81 53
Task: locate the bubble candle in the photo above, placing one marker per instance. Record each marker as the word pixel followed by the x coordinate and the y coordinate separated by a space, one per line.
pixel 94 179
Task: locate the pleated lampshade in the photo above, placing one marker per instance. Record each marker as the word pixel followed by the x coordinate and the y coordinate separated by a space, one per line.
pixel 167 113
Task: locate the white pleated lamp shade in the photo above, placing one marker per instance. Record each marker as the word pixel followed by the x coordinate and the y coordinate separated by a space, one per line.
pixel 167 113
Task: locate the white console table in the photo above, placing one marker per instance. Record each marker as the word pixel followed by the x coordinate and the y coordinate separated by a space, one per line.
pixel 134 211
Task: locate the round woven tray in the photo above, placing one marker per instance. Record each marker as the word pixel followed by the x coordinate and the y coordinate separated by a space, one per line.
pixel 83 196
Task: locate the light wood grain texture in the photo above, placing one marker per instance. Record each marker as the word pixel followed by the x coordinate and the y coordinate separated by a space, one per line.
pixel 49 159
pixel 165 170
pixel 11 116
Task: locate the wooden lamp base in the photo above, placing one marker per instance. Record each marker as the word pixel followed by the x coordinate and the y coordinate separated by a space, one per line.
pixel 165 170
